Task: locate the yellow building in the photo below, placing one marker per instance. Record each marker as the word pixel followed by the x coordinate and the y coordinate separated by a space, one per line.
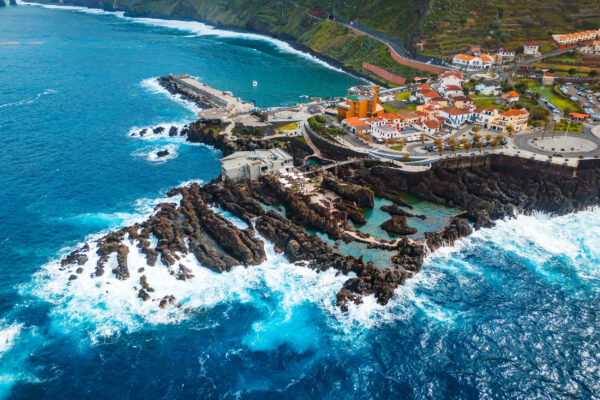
pixel 362 102
pixel 517 119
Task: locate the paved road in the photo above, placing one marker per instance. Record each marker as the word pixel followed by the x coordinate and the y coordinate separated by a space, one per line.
pixel 522 142
pixel 548 54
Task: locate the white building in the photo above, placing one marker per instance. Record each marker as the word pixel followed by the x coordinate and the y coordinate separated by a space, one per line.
pixel 451 78
pixel 472 63
pixel 531 49
pixel 451 90
pixel 254 164
pixel 507 55
pixel 488 90
pixel 455 118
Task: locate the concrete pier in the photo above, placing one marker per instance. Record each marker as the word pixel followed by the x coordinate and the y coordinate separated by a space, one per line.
pixel 213 101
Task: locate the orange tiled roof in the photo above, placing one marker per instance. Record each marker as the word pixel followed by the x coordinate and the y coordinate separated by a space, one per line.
pixel 485 58
pixel 432 124
pixel 451 73
pixel 431 94
pixel 579 116
pixel 514 113
pixel 453 88
pixel 353 121
pixel 464 57
pixel 455 111
pixel 512 93
pixel 391 116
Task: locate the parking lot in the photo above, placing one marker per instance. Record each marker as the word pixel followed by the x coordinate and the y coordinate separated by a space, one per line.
pixel 589 100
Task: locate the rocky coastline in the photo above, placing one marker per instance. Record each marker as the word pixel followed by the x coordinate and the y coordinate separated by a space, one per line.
pixel 485 193
pixel 485 188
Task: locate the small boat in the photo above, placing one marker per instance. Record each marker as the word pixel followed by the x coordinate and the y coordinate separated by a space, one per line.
pixel 254 83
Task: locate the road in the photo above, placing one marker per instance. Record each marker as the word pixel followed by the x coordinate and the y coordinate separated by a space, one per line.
pixel 547 54
pixel 523 142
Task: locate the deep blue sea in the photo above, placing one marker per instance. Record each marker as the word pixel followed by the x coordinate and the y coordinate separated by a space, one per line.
pixel 510 312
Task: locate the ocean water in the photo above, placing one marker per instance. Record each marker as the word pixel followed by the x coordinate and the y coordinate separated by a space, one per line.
pixel 510 312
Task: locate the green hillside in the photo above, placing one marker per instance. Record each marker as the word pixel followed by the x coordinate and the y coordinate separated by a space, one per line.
pixel 447 25
pixel 453 24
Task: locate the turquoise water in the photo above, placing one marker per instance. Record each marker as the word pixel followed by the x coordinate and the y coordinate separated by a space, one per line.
pixel 437 217
pixel 510 312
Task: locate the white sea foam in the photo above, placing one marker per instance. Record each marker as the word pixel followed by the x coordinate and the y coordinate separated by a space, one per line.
pixel 150 153
pixel 195 28
pixel 8 334
pixel 152 86
pixel 29 100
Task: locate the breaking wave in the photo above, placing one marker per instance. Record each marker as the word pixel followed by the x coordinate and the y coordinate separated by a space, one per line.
pixel 195 28
pixel 152 86
pixel 150 153
pixel 8 334
pixel 30 100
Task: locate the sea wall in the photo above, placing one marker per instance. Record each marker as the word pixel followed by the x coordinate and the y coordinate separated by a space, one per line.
pixel 507 163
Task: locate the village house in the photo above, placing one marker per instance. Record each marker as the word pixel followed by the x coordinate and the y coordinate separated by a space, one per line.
pixel 506 55
pixel 511 97
pixel 474 49
pixel 455 118
pixel 451 78
pixel 531 49
pixel 424 96
pixel 393 119
pixel 488 90
pixel 548 79
pixel 515 118
pixel 451 90
pixel 361 102
pixel 462 101
pixel 431 127
pixel 485 117
pixel 356 125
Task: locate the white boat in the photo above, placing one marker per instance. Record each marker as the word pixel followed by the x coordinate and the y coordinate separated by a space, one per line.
pixel 254 83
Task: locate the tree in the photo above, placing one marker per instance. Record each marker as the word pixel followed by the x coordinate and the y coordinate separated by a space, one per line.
pixel 476 137
pixel 510 129
pixel 476 128
pixel 479 146
pixel 468 146
pixel 406 157
pixel 488 137
pixel 501 137
pixel 452 146
pixel 572 71
pixel 495 144
pixel 423 138
pixel 593 73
